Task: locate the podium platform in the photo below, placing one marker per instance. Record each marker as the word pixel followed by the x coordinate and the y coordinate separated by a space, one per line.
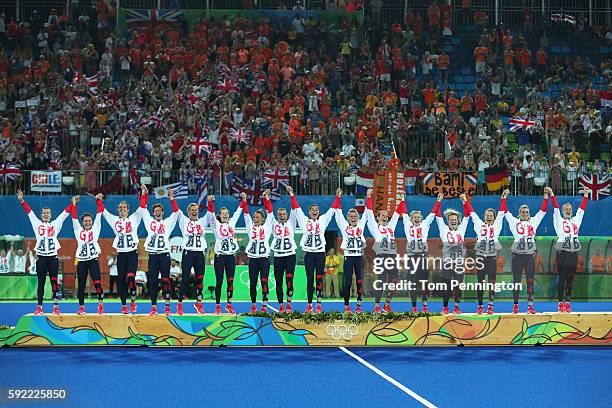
pixel 594 328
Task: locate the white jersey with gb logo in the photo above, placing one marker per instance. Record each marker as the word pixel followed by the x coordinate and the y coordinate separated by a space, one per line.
pixel 158 232
pixel 192 231
pixel 416 235
pixel 453 241
pixel 283 237
pixel 524 232
pixel 353 240
pixel 87 240
pixel 313 231
pixel 224 232
pixel 384 235
pixel 259 236
pixel 125 229
pixel 46 233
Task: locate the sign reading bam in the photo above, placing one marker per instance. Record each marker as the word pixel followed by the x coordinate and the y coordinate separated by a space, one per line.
pixel 387 188
pixel 450 184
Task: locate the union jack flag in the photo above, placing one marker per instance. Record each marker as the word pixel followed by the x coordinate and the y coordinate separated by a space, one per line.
pixel 598 185
pixel 200 145
pixel 516 123
pixel 144 16
pixel 253 190
pixel 227 85
pixel 275 178
pixel 561 17
pixel 224 70
pixel 92 83
pixel 240 135
pixel 9 172
pixel 216 158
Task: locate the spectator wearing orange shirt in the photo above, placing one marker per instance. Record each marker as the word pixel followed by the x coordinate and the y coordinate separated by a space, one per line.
pixel 433 13
pixel 598 262
pixel 480 55
pixel 541 58
pixel 467 106
pixel 443 62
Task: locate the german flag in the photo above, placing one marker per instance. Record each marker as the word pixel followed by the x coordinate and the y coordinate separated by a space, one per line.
pixel 497 178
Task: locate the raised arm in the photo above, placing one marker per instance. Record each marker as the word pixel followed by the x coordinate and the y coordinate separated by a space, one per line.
pixel 371 220
pixel 97 224
pixel 296 210
pixel 439 220
pixel 269 212
pixel 337 208
pixel 467 210
pixel 211 218
pixel 76 225
pixel 176 212
pixel 540 215
pixel 503 208
pixel 33 218
pixel 399 211
pixel 580 211
pixel 432 215
pixel 243 206
pixel 58 223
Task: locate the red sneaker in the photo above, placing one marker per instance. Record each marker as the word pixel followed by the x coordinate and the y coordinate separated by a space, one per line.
pixel 198 307
pixel 358 309
pixel 490 309
pixel 56 310
pixel 81 310
pixel 561 307
pixel 124 309
pixel 445 310
pixel 100 308
pixel 319 308
pixel 479 310
pixel 515 308
pixel 264 309
pixel 377 309
pixel 530 309
pixel 253 308
pixel 387 308
pixel 179 309
pixel 38 311
pixel 424 309
pixel 347 309
pixel 133 307
pixel 230 309
pixel 281 308
pixel 153 311
pixel 414 309
pixel 308 308
pixel 568 308
pixel 167 311
pixel 288 308
pixel 217 309
pixel 456 310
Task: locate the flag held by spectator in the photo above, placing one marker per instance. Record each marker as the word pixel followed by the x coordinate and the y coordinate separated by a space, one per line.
pixel 563 18
pixel 134 180
pixel 143 16
pixel 240 135
pixel 275 178
pixel 9 172
pixel 497 178
pixel 365 179
pixel 227 85
pixel 200 146
pixel 180 190
pixel 516 123
pixel 597 183
pixel 92 83
pixel 411 176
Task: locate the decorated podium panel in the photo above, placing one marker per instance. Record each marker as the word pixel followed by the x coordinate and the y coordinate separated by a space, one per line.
pixel 333 329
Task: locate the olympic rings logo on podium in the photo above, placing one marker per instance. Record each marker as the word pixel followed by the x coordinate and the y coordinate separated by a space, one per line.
pixel 341 331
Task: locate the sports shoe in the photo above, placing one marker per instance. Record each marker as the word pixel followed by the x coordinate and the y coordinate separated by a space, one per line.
pixel 198 307
pixel 167 311
pixel 561 307
pixel 153 311
pixel 100 308
pixel 133 307
pixel 308 308
pixel 56 310
pixel 414 309
pixel 39 311
pixel 479 310
pixel 281 308
pixel 347 309
pixel 377 309
pixel 490 309
pixel 124 309
pixel 230 309
pixel 387 308
pixel 358 309
pixel 288 308
pixel 530 309
pixel 179 309
pixel 319 308
pixel 456 310
pixel 81 310
pixel 424 309
pixel 253 308
pixel 568 308
pixel 445 310
pixel 264 309
pixel 515 308
pixel 217 309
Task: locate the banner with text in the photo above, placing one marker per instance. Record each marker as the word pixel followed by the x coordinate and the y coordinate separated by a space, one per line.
pixel 387 188
pixel 48 181
pixel 452 185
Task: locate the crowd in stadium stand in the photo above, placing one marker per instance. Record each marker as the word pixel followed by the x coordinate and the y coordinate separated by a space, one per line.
pixel 320 100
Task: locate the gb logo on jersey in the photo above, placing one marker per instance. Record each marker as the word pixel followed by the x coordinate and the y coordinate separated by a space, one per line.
pixel 570 227
pixel 313 227
pixel 454 238
pixel 226 230
pixel 487 230
pixel 279 230
pixel 86 236
pixel 157 227
pixel 49 230
pixel 123 227
pixel 258 234
pixel 353 231
pixel 416 232
pixel 194 227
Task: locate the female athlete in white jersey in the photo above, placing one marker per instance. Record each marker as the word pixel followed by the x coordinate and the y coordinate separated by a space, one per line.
pixel 225 248
pixel 87 233
pixel 353 244
pixel 157 244
pixel 259 229
pixel 567 246
pixel 284 247
pixel 46 232
pixel 487 247
pixel 383 230
pixel 417 231
pixel 313 244
pixel 125 227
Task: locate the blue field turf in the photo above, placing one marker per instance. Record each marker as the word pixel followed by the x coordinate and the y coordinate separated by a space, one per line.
pixel 221 377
